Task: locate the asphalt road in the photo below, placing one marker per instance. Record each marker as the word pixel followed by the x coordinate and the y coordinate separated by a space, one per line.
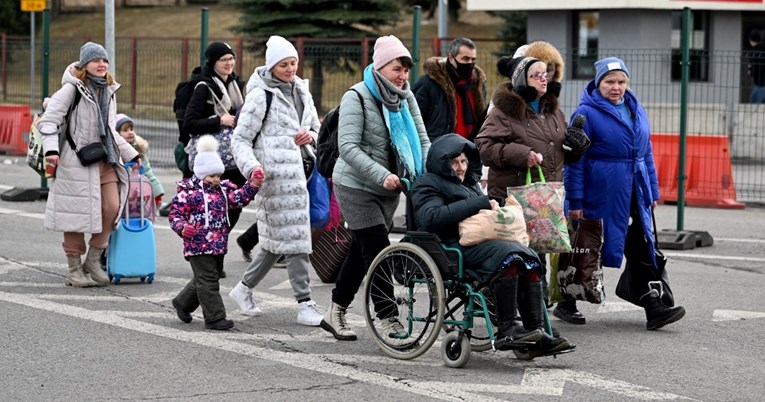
pixel 123 342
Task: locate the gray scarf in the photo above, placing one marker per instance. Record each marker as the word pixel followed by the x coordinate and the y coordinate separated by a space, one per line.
pixel 97 86
pixel 390 95
pixel 288 89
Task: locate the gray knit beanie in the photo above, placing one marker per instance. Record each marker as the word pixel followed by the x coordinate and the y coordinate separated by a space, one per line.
pixel 520 69
pixel 91 51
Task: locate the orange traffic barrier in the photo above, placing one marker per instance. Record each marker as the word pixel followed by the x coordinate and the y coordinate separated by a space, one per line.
pixel 708 168
pixel 15 121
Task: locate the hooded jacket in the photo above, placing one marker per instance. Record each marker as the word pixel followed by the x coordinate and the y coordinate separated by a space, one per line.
pixel 441 202
pixel 512 130
pixel 618 164
pixel 142 146
pixel 436 97
pixel 74 199
pixel 205 206
pixel 282 204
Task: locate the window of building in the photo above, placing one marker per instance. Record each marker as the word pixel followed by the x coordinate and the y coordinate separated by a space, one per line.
pixel 585 47
pixel 698 46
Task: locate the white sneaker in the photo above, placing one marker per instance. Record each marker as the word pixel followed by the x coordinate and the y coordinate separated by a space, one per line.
pixel 242 295
pixel 309 314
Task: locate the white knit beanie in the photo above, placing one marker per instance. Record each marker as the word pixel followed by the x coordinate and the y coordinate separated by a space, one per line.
pixel 278 49
pixel 207 161
pixel 387 49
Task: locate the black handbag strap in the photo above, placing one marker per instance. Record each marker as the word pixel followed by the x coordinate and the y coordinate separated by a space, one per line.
pixel 74 103
pixel 655 232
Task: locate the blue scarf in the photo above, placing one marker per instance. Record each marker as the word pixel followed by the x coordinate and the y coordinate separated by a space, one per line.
pixel 403 133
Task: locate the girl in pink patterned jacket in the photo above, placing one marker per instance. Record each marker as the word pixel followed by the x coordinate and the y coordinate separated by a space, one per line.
pixel 199 214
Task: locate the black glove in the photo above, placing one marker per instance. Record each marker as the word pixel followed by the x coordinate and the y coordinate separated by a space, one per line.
pixel 576 139
pixel 529 94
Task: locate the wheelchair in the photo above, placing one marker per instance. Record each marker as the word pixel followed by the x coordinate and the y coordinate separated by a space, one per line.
pixel 423 283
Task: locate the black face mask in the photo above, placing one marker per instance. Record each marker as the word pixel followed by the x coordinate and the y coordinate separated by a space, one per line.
pixel 464 70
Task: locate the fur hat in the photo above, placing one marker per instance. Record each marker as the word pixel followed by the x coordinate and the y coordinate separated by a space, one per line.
pixel 278 49
pixel 122 119
pixel 387 49
pixel 207 162
pixel 604 66
pixel 91 51
pixel 216 50
pixel 547 53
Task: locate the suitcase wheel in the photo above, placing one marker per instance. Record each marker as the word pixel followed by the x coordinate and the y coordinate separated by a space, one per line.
pixel 116 279
pixel 150 278
pixel 143 279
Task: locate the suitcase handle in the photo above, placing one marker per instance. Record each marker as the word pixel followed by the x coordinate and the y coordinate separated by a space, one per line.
pixel 128 167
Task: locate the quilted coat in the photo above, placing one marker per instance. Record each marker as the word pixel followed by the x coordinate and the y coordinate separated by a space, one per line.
pixel 74 198
pixel 204 206
pixel 511 130
pixel 282 204
pixel 366 156
pixel 618 164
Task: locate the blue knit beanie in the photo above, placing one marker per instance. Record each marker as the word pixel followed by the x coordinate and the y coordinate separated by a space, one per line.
pixel 605 66
pixel 91 51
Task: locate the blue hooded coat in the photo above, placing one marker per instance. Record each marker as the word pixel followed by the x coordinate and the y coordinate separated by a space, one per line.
pixel 618 164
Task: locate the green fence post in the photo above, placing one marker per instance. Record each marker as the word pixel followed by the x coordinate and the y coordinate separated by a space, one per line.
pixel 684 71
pixel 203 35
pixel 417 10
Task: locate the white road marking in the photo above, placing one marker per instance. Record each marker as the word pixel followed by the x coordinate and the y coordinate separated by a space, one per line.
pixel 315 283
pixel 616 307
pixel 712 257
pixel 734 315
pixel 302 361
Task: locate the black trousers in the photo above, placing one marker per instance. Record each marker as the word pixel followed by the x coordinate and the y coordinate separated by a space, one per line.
pixel 234 176
pixel 204 289
pixel 249 239
pixel 366 244
pixel 637 251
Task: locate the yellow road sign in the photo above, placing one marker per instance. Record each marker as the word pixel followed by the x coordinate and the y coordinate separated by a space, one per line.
pixel 33 5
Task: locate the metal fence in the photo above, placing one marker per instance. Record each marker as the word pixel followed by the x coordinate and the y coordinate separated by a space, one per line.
pixel 726 151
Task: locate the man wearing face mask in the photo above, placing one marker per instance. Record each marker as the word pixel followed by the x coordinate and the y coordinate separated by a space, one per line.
pixel 452 93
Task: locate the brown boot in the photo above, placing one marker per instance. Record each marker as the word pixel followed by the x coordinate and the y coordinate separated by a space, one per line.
pixel 92 266
pixel 76 277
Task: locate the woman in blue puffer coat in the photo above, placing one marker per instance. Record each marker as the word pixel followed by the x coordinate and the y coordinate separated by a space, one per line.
pixel 616 179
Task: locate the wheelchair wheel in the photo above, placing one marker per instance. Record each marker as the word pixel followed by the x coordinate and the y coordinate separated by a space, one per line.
pixel 480 339
pixel 455 351
pixel 417 303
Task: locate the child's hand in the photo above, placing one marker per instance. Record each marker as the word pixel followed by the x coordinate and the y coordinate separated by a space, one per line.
pixel 189 231
pixel 257 177
pixel 158 200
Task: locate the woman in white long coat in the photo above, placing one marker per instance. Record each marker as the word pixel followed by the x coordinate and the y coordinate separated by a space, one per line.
pixel 85 199
pixel 278 133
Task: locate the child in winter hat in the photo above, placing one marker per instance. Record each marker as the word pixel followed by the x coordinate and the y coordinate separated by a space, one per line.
pixel 605 66
pixel 278 49
pixel 91 51
pixel 216 50
pixel 199 215
pixel 126 129
pixel 207 161
pixel 387 49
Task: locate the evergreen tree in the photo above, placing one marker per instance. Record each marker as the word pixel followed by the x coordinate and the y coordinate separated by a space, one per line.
pixel 13 21
pixel 512 32
pixel 317 19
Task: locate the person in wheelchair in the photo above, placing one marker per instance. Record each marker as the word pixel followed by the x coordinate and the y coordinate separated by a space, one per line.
pixel 449 193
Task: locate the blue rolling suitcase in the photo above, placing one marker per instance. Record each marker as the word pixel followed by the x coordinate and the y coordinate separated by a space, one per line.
pixel 132 249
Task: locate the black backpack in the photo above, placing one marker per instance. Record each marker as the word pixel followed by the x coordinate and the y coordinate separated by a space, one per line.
pixel 327 151
pixel 183 92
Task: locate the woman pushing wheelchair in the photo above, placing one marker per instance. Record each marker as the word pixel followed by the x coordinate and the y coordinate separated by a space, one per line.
pixel 448 194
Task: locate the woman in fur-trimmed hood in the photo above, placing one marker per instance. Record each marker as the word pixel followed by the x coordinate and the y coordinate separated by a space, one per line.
pixel 547 53
pixel 524 128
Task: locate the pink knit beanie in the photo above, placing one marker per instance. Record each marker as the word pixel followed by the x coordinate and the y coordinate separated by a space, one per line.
pixel 387 49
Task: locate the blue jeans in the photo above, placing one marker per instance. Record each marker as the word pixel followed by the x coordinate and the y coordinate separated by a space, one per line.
pixel 757 95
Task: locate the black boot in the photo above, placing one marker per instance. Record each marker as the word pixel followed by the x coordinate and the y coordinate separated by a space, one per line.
pixel 532 319
pixel 511 334
pixel 656 313
pixel 567 311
